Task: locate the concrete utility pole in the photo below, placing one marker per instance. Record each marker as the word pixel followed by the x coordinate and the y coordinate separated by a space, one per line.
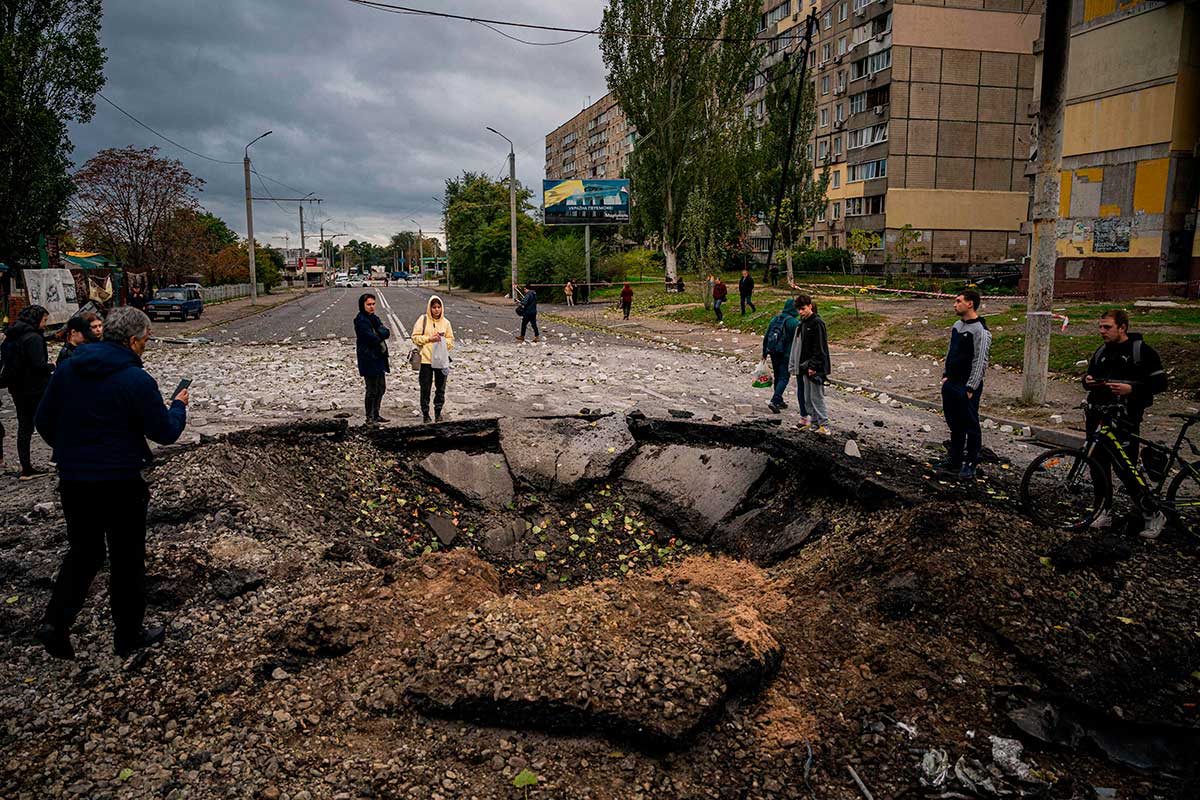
pixel 446 236
pixel 250 221
pixel 587 259
pixel 1056 46
pixel 512 206
pixel 420 249
pixel 301 267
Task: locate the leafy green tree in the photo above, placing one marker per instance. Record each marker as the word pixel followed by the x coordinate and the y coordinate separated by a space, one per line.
pixel 681 91
pixel 861 242
pixel 477 222
pixel 217 235
pixel 907 244
pixel 269 264
pixel 554 259
pixel 51 66
pixel 803 195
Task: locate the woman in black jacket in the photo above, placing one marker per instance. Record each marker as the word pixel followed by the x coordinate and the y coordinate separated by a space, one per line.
pixel 371 347
pixel 27 369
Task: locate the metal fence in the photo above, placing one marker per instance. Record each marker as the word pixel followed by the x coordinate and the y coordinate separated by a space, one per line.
pixel 215 294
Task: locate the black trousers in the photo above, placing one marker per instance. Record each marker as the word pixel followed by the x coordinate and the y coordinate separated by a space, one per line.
pixel 26 404
pixel 100 512
pixel 746 301
pixel 625 308
pixel 376 386
pixel 428 378
pixel 532 320
pixel 962 418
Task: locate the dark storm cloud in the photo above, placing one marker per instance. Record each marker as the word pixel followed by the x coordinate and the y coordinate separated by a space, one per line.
pixel 371 111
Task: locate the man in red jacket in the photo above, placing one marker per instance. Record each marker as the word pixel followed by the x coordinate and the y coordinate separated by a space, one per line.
pixel 720 292
pixel 626 300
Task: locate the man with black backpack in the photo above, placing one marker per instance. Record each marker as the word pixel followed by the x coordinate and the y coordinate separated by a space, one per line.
pixel 777 344
pixel 1124 371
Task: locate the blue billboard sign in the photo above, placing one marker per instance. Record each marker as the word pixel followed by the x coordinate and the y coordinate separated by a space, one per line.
pixel 584 201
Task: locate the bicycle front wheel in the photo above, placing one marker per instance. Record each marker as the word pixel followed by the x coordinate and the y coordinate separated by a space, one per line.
pixel 1183 500
pixel 1065 489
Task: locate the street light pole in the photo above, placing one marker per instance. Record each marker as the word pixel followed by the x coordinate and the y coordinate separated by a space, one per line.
pixel 250 221
pixel 420 248
pixel 512 205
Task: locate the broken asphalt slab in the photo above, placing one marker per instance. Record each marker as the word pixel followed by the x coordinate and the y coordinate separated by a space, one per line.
pixel 482 479
pixel 557 454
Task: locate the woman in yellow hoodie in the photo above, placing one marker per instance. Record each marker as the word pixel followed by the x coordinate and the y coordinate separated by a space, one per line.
pixel 430 328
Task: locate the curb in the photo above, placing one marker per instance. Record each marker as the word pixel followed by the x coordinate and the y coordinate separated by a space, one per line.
pixel 252 313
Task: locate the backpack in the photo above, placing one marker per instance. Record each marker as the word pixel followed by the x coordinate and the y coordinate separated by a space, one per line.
pixel 776 337
pixel 1137 353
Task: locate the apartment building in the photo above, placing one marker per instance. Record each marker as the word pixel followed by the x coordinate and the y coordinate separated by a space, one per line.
pixel 922 119
pixel 595 143
pixel 1130 181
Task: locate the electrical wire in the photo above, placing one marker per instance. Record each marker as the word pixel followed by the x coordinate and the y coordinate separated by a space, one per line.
pixel 397 9
pixel 268 192
pixel 162 136
pixel 538 44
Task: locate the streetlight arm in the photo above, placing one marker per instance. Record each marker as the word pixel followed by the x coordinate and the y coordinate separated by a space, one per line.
pixel 502 136
pixel 255 139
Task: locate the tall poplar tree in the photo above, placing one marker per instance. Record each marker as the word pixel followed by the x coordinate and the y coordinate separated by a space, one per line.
pixel 679 69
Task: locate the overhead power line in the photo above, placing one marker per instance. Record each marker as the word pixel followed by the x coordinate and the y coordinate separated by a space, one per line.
pixel 163 136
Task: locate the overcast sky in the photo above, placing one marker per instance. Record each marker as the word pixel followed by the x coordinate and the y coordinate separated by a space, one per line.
pixel 371 111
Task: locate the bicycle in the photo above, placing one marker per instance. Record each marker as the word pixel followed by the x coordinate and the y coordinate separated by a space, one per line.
pixel 1069 488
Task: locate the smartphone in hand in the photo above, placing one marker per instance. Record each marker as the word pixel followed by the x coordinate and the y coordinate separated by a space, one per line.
pixel 183 384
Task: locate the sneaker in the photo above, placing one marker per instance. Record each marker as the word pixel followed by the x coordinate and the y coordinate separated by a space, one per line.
pixel 966 472
pixel 782 404
pixel 775 407
pixel 1154 525
pixel 56 642
pixel 1102 521
pixel 144 638
pixel 520 338
pixel 32 474
pixel 804 423
pixel 425 418
pixel 821 429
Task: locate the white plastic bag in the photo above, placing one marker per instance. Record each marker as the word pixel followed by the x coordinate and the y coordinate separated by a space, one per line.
pixel 440 359
pixel 762 375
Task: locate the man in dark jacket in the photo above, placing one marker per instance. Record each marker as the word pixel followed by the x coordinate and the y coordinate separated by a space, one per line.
pixel 78 332
pixel 1124 371
pixel 719 293
pixel 777 345
pixel 528 312
pixel 745 291
pixel 811 364
pixel 370 345
pixel 27 370
pixel 962 385
pixel 97 414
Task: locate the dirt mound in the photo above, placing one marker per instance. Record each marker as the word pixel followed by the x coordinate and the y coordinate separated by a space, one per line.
pixel 646 659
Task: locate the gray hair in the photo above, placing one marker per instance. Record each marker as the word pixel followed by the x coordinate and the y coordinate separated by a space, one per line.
pixel 123 323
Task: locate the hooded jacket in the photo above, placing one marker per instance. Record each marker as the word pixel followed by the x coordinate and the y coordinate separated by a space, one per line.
pixel 791 321
pixel 426 326
pixel 810 350
pixel 528 304
pixel 1118 363
pixel 369 345
pixel 98 411
pixel 26 362
pixel 627 294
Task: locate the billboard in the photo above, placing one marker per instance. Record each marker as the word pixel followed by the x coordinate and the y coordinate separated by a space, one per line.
pixel 583 201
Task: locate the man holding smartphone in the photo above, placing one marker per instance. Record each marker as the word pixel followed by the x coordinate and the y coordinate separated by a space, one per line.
pixel 97 413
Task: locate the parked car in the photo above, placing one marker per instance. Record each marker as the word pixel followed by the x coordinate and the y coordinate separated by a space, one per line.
pixel 175 301
pixel 342 282
pixel 402 276
pixel 191 286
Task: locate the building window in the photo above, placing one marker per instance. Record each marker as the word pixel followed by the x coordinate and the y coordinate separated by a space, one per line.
pixel 841 46
pixel 881 24
pixel 842 13
pixel 879 61
pixel 824 84
pixel 812 58
pixel 861 4
pixel 837 241
pixel 779 12
pixel 837 212
pixel 867 170
pixel 840 112
pixel 824 117
pixel 835 179
pixel 862 206
pixel 809 152
pixel 826 52
pixel 865 137
pixel 823 150
pixel 837 145
pixel 821 218
pixel 827 20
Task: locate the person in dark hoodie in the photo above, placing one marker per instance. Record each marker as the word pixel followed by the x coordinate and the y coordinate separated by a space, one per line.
pixel 78 332
pixel 962 385
pixel 777 345
pixel 371 348
pixel 746 291
pixel 98 411
pixel 27 370
pixel 1124 371
pixel 809 361
pixel 527 310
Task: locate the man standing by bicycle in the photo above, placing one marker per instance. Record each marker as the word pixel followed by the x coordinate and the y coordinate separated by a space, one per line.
pixel 1124 371
pixel 962 384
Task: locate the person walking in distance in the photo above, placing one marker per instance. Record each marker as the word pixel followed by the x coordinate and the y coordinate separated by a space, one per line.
pixel 777 345
pixel 98 411
pixel 746 291
pixel 27 370
pixel 709 283
pixel 431 328
pixel 371 347
pixel 719 293
pixel 569 291
pixel 626 300
pixel 1124 371
pixel 527 309
pixel 809 361
pixel 962 385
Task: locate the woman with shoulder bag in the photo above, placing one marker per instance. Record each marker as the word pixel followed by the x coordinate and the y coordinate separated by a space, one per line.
pixel 371 348
pixel 434 336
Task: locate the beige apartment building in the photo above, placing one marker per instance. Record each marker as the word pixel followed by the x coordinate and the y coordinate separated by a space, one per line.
pixel 1130 180
pixel 923 119
pixel 595 143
